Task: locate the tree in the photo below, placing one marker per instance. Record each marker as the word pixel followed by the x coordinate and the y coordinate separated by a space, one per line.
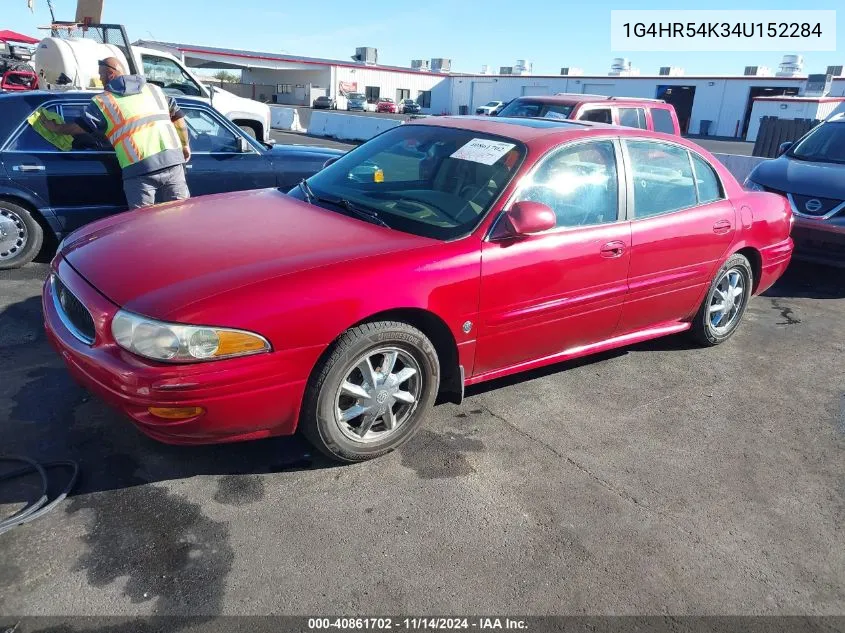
pixel 225 75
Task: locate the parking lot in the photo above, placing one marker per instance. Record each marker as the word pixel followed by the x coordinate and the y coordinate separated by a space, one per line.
pixel 662 478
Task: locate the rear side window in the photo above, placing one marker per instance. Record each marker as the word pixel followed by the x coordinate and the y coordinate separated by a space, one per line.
pixel 662 121
pixel 632 117
pixel 709 188
pixel 663 179
pixel 28 140
pixel 598 115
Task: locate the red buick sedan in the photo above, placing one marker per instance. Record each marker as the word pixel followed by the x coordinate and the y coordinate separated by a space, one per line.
pixel 440 254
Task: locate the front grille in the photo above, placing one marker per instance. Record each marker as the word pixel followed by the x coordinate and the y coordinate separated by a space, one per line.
pixel 817 206
pixel 74 314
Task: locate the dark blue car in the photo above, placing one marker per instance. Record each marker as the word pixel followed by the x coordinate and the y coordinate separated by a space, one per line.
pixel 46 193
pixel 811 175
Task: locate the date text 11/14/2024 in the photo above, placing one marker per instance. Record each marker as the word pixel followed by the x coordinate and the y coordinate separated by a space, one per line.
pixel 415 624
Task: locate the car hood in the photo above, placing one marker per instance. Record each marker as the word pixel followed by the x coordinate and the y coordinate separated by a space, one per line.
pixel 156 261
pixel 825 180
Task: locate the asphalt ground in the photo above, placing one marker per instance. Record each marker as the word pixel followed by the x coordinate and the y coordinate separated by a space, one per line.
pixel 659 479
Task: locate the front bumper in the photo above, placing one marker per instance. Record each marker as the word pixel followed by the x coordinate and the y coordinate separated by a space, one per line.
pixel 243 398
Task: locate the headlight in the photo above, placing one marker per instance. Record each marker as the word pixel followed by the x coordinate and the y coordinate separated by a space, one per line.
pixel 182 343
pixel 750 185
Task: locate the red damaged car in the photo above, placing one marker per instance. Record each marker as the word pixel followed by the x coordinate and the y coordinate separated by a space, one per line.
pixel 440 254
pixel 386 105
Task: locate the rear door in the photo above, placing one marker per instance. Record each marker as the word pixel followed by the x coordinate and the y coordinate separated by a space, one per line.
pixel 549 293
pixel 682 227
pixel 79 186
pixel 217 163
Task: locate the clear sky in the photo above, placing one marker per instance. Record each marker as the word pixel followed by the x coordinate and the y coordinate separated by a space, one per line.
pixel 550 33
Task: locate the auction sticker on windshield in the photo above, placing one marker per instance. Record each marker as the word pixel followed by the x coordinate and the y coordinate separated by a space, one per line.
pixel 480 150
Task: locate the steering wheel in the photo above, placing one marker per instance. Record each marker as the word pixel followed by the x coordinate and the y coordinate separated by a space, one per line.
pixel 427 206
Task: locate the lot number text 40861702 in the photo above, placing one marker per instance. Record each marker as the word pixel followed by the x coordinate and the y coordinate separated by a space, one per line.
pixel 416 624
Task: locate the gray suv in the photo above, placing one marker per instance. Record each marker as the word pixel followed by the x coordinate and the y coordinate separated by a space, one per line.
pixel 811 174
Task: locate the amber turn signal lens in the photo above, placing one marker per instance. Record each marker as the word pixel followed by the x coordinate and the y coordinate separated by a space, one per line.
pixel 176 413
pixel 237 343
pixel 378 176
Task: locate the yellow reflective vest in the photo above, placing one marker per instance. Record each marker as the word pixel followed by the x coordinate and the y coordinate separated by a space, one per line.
pixel 138 126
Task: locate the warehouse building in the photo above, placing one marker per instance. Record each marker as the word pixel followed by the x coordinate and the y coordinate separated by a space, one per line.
pixel 716 105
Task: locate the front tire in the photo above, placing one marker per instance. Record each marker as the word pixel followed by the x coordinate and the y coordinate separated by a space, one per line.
pixel 21 236
pixel 724 306
pixel 370 394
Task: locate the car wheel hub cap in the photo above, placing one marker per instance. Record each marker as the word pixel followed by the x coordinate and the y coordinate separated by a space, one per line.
pixel 378 395
pixel 726 301
pixel 13 234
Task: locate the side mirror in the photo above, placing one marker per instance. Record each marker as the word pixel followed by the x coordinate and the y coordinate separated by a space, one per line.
pixel 243 145
pixel 784 147
pixel 527 218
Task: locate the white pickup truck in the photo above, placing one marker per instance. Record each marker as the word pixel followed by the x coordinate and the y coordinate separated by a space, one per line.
pixel 71 63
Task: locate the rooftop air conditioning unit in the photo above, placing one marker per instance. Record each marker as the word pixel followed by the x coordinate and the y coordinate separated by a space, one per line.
pixel 523 67
pixel 505 70
pixel 366 55
pixel 421 64
pixel 791 66
pixel 571 71
pixel 757 71
pixel 834 71
pixel 441 65
pixel 671 71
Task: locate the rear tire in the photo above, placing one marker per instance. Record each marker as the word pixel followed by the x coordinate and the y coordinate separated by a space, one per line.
pixel 21 236
pixel 724 306
pixel 371 392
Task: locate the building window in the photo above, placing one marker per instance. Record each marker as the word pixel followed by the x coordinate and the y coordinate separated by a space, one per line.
pixel 424 98
pixel 402 93
pixel 373 93
pixel 284 89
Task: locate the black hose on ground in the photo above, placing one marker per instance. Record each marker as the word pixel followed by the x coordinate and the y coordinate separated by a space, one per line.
pixel 40 507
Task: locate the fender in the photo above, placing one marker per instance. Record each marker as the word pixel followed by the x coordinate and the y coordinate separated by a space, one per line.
pixel 33 201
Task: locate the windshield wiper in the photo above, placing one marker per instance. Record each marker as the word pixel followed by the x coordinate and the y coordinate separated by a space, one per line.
pixel 366 214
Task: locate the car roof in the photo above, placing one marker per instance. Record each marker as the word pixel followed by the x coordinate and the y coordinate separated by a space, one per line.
pixel 587 98
pixel 547 131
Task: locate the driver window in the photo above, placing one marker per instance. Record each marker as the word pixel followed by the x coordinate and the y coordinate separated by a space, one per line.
pixel 579 183
pixel 207 135
pixel 167 75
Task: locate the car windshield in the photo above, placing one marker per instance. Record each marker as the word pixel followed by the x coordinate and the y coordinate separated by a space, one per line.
pixel 534 109
pixel 493 103
pixel 824 144
pixel 357 96
pixel 427 180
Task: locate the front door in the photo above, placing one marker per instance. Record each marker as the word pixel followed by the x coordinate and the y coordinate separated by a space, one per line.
pixel 217 163
pixel 79 186
pixel 549 293
pixel 682 226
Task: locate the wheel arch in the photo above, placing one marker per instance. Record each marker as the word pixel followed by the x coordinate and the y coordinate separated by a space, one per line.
pixel 255 125
pixel 755 258
pixel 438 333
pixel 435 329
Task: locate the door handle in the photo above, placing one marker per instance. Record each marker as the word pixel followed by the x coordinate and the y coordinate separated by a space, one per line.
pixel 722 226
pixel 613 249
pixel 28 168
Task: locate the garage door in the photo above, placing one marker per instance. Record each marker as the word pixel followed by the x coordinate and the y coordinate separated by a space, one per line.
pixel 482 92
pixel 597 89
pixel 528 91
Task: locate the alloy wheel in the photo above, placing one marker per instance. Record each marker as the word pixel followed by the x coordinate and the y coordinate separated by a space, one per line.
pixel 379 394
pixel 13 234
pixel 726 301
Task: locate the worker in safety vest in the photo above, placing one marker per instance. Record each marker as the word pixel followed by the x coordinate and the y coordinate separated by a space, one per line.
pixel 146 129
